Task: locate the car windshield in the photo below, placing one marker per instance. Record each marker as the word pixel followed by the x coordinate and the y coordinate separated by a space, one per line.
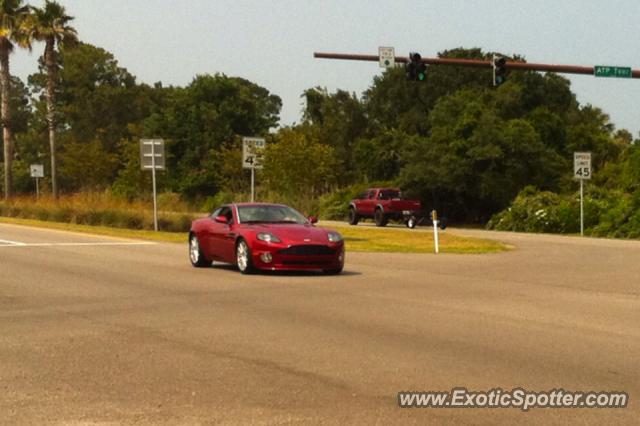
pixel 270 214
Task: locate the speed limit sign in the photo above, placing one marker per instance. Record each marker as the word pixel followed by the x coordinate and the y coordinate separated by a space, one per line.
pixel 252 152
pixel 582 165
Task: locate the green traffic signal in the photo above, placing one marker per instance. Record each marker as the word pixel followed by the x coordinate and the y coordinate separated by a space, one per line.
pixel 416 70
pixel 499 70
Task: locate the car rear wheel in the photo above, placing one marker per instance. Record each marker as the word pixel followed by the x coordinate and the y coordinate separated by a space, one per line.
pixel 196 256
pixel 243 257
pixel 380 218
pixel 353 216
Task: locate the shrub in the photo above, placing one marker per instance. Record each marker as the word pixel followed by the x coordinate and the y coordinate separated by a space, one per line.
pixel 606 213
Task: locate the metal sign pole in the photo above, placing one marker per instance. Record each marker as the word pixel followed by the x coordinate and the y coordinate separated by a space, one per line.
pixel 582 207
pixel 37 190
pixel 153 179
pixel 253 183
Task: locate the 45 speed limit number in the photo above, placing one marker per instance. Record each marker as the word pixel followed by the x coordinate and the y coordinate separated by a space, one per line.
pixel 582 165
pixel 252 152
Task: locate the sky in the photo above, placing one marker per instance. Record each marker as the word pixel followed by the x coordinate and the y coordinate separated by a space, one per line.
pixel 272 42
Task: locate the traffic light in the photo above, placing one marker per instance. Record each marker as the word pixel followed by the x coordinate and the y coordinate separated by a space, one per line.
pixel 499 70
pixel 415 69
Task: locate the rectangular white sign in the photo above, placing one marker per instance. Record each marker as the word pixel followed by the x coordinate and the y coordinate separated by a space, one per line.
pixel 37 170
pixel 252 152
pixel 582 165
pixel 387 57
pixel 150 148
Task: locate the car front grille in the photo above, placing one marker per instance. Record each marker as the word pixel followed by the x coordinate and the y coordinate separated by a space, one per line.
pixel 308 250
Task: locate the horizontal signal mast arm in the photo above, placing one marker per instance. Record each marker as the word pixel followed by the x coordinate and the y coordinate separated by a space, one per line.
pixel 564 69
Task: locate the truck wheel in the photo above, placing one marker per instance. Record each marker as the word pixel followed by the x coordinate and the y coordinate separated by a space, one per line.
pixel 380 218
pixel 353 216
pixel 411 222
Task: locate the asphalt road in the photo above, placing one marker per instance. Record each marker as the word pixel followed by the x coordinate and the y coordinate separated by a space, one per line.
pixel 100 330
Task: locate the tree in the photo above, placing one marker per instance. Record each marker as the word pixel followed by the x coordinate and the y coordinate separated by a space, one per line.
pixel 199 120
pixel 50 25
pixel 297 166
pixel 475 161
pixel 338 120
pixel 12 15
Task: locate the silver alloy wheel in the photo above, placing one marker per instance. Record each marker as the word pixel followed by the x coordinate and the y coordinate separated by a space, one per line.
pixel 194 249
pixel 242 256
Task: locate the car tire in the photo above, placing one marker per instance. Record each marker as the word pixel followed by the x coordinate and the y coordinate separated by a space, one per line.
pixel 354 218
pixel 243 257
pixel 411 222
pixel 380 218
pixel 196 256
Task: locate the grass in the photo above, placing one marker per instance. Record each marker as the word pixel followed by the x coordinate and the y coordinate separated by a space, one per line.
pixel 368 239
pixel 101 209
pixel 170 237
pixel 358 239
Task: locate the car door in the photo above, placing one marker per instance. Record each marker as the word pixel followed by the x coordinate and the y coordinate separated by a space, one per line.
pixel 219 234
pixel 369 204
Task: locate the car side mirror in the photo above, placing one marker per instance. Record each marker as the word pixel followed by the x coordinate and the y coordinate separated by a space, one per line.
pixel 221 219
pixel 313 219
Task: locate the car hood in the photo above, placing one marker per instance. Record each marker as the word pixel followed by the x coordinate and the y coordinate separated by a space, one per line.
pixel 294 233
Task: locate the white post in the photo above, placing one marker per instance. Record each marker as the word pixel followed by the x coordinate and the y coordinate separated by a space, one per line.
pixel 435 236
pixel 582 207
pixel 153 180
pixel 37 190
pixel 253 182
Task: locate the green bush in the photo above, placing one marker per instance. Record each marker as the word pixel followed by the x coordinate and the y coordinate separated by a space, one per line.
pixel 606 213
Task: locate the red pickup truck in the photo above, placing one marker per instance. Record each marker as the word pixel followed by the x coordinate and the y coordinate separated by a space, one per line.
pixel 383 204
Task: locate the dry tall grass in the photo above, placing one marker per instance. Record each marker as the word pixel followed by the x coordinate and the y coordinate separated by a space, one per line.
pixel 92 208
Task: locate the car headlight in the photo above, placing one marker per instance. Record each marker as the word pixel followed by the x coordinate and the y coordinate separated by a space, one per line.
pixel 334 237
pixel 268 237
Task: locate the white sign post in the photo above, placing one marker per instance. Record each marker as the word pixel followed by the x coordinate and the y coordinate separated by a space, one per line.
pixel 582 171
pixel 252 153
pixel 37 172
pixel 386 57
pixel 436 241
pixel 152 158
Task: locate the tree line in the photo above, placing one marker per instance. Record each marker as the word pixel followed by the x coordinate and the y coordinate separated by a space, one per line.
pixel 453 140
pixel 21 25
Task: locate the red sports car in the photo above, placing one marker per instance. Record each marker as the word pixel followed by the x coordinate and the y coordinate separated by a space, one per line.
pixel 264 236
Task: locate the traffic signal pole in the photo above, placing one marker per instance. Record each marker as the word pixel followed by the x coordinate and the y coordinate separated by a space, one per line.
pixel 510 65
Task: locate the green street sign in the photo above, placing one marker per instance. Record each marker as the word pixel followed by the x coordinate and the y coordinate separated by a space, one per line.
pixel 607 71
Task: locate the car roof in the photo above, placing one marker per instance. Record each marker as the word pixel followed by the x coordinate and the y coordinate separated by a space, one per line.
pixel 257 204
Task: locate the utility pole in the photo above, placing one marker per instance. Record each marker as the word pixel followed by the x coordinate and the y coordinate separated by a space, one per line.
pixel 598 70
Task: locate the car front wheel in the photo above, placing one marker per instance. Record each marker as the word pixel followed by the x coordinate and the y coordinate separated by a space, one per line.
pixel 196 256
pixel 243 257
pixel 353 216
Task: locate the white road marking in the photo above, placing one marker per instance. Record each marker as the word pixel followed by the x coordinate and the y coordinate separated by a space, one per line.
pixel 11 243
pixel 16 244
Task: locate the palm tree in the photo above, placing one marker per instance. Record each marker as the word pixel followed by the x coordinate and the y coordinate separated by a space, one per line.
pixel 50 25
pixel 12 14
